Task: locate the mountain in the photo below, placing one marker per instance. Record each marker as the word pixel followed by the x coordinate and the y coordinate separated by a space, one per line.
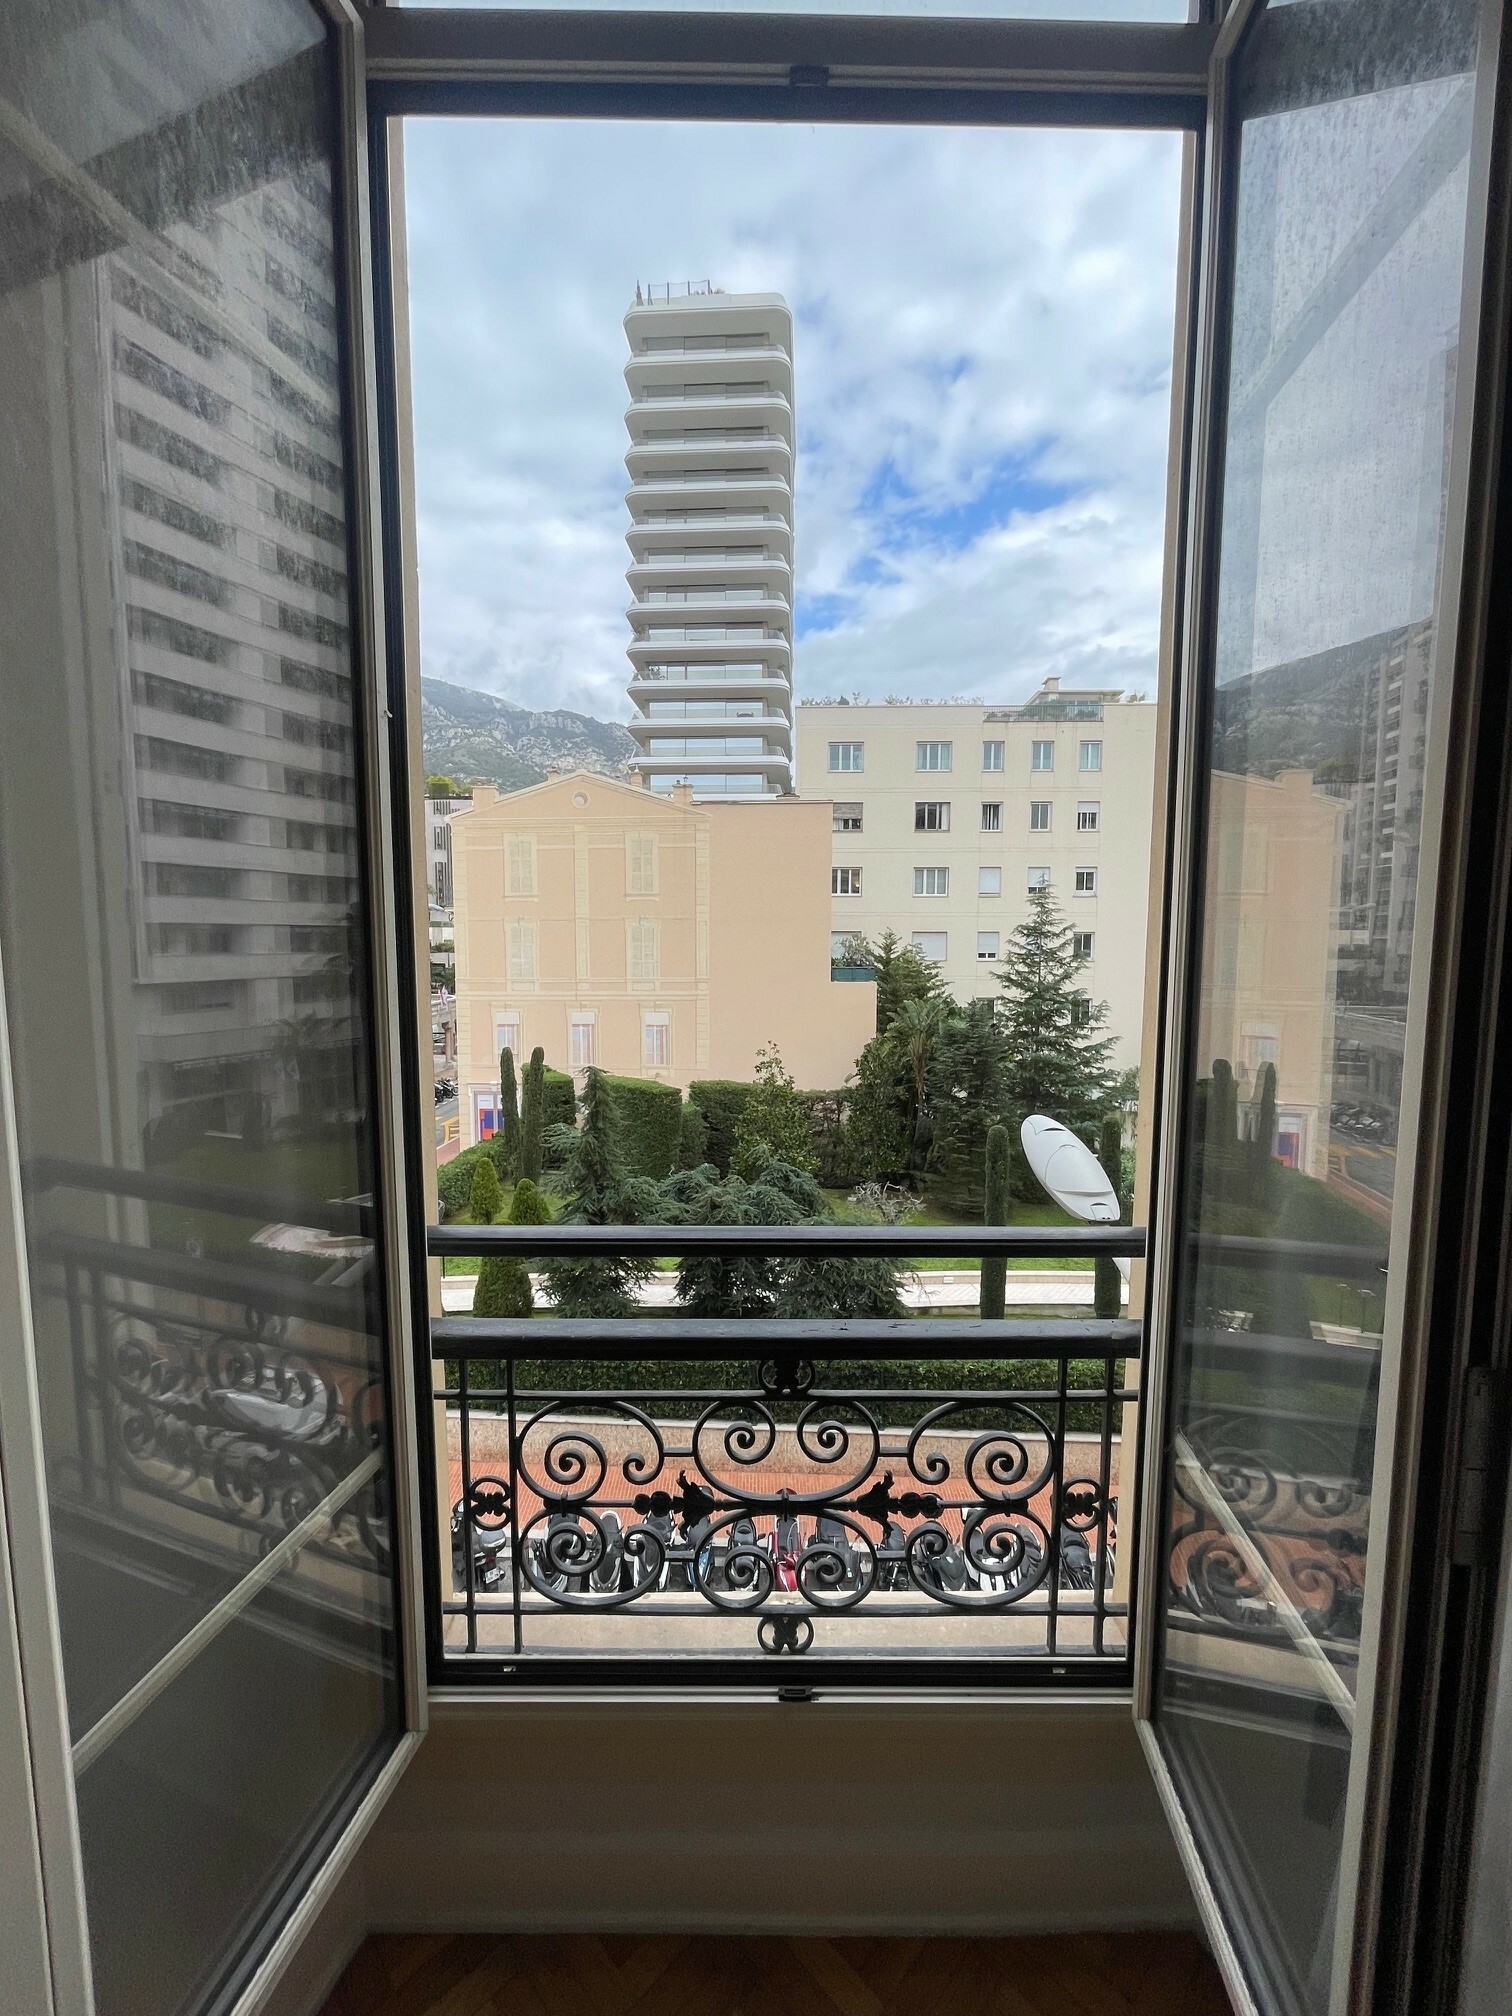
pixel 478 738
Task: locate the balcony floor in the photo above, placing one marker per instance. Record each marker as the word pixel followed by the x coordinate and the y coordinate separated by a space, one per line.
pixel 1151 1973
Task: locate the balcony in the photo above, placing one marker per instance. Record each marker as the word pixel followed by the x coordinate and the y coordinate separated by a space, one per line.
pixel 711 408
pixel 652 497
pixel 663 1488
pixel 694 455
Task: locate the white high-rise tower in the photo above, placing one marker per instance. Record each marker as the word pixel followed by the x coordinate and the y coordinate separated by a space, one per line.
pixel 711 539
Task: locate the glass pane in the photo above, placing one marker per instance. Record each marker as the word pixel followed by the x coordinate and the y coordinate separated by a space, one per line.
pixel 954 533
pixel 183 949
pixel 1347 302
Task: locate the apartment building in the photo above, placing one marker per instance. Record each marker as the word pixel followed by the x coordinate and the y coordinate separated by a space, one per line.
pixel 646 933
pixel 224 754
pixel 945 818
pixel 712 441
pixel 438 871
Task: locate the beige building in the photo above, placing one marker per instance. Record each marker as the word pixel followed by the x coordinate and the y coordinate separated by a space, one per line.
pixel 946 816
pixel 657 938
pixel 1267 996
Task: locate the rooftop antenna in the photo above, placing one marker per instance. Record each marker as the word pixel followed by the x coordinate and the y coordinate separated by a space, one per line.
pixel 638 302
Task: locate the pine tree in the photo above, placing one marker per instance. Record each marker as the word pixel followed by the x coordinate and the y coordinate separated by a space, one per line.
pixel 903 975
pixel 485 1199
pixel 966 1094
pixel 504 1280
pixel 1058 1057
pixel 533 1115
pixel 1107 1279
pixel 773 1123
pixel 994 1289
pixel 509 1114
pixel 600 1192
pixel 1263 1144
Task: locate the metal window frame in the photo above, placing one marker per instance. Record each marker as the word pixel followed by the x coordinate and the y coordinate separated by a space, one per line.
pixel 1386 1814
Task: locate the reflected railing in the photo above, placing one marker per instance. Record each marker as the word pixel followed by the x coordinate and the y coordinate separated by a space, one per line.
pixel 724 1491
pixel 233 1388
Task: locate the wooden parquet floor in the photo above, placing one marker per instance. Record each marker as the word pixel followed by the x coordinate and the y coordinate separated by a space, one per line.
pixel 1122 1974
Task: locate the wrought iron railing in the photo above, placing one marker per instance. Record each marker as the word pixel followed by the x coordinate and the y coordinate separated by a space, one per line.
pixel 225 1390
pixel 668 1489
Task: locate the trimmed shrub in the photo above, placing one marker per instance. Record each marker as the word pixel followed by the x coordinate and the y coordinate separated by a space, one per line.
pixel 509 1113
pixel 692 1137
pixel 722 1101
pixel 650 1125
pixel 485 1196
pixel 532 1115
pixel 559 1109
pixel 454 1181
pixel 559 1095
pixel 1107 1291
pixel 994 1287
pixel 504 1282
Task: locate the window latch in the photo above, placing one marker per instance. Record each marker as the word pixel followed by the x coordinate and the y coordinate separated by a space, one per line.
pixel 1477 1435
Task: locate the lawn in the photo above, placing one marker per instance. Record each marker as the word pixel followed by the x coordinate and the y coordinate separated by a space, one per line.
pixel 1039 1212
pixel 297 1176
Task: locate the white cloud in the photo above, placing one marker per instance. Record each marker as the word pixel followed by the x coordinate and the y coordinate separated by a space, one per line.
pixel 982 352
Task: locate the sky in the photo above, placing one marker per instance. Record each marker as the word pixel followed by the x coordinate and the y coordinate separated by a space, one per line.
pixel 982 359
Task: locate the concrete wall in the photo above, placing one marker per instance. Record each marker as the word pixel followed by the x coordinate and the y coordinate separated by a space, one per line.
pixel 757 1816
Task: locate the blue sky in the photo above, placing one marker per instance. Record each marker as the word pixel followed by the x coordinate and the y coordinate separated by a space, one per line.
pixel 983 327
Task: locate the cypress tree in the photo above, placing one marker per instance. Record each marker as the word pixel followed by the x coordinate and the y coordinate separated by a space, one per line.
pixel 504 1280
pixel 485 1199
pixel 1107 1290
pixel 533 1115
pixel 995 1212
pixel 509 1113
pixel 1263 1146
pixel 600 1192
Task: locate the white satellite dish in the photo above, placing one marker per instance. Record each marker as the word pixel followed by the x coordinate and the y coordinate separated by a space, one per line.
pixel 1068 1171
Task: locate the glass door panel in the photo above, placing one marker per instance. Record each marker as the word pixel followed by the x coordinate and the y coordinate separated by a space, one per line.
pixel 1351 153
pixel 185 965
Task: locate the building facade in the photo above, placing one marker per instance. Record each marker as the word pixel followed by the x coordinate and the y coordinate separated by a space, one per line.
pixel 438 873
pixel 711 452
pixel 1275 847
pixel 946 817
pixel 647 934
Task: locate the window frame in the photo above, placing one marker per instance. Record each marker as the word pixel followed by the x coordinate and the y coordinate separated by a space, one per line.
pixel 889 70
pixel 924 807
pixel 921 879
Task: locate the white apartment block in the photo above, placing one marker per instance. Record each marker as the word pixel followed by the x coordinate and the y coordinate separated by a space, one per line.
pixel 438 852
pixel 712 441
pixel 946 817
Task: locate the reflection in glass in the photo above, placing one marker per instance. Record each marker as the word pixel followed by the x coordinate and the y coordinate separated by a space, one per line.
pixel 1351 224
pixel 183 951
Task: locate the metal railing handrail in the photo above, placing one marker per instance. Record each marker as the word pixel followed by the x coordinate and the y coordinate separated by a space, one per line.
pixel 835 1338
pixel 52 1172
pixel 790 1242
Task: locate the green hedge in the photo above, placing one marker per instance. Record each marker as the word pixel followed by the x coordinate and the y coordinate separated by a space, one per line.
pixel 650 1122
pixel 575 1375
pixel 454 1182
pixel 722 1101
pixel 559 1102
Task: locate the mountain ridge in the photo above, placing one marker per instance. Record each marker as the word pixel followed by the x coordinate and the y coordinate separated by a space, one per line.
pixel 479 738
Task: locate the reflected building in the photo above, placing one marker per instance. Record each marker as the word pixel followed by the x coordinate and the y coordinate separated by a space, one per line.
pixel 1271 948
pixel 220 747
